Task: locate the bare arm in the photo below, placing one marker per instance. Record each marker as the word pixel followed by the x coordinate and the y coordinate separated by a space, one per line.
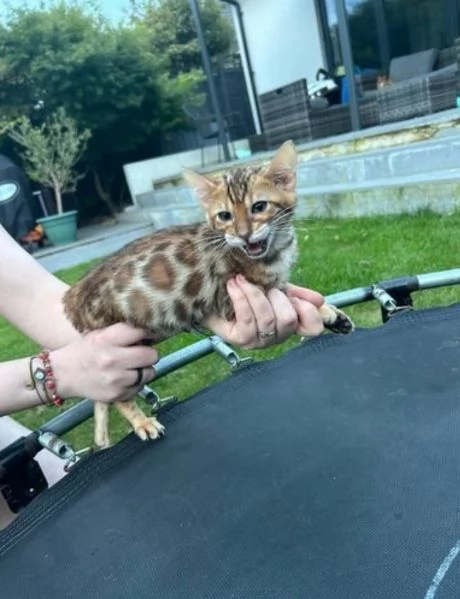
pixel 101 365
pixel 30 296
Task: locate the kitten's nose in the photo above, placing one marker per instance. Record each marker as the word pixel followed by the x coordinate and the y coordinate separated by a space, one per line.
pixel 243 232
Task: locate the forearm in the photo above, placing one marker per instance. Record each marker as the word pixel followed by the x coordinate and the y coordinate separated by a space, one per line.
pixel 16 392
pixel 31 297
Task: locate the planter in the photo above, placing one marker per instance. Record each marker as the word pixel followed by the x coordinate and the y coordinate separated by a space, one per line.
pixel 60 228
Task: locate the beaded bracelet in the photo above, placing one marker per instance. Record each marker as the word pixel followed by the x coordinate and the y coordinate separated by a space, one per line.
pixel 45 376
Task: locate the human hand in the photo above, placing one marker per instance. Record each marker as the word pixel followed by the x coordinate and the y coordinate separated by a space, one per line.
pixel 306 303
pixel 262 320
pixel 104 364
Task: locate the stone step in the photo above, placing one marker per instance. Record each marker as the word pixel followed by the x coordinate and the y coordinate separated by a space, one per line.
pixel 446 176
pixel 164 216
pixel 439 196
pixel 438 192
pixel 400 179
pixel 416 159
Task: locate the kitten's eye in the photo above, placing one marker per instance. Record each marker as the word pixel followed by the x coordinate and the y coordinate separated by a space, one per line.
pixel 259 207
pixel 224 216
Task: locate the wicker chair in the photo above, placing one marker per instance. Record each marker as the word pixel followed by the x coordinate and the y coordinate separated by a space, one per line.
pixel 289 113
pixel 423 94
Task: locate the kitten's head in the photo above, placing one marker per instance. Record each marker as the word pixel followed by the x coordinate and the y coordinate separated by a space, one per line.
pixel 251 207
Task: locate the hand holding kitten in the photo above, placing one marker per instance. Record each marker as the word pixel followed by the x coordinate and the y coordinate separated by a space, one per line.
pixel 286 314
pixel 108 364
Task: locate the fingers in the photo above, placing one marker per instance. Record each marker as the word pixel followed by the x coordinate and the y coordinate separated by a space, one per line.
pixel 258 315
pixel 310 322
pixel 286 315
pixel 303 293
pixel 114 368
pixel 140 377
pixel 123 334
pixel 263 317
pixel 243 311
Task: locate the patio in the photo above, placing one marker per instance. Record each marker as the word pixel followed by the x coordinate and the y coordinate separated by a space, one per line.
pixel 361 91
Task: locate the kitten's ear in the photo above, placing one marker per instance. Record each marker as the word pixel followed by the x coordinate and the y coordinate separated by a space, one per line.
pixel 282 168
pixel 201 185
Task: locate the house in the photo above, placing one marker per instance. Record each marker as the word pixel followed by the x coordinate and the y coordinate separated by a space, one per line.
pixel 282 41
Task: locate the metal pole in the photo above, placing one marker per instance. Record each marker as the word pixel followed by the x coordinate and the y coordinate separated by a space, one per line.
pixel 208 71
pixel 347 55
pixel 382 33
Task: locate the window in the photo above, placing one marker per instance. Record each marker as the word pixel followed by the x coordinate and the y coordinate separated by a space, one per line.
pixel 382 29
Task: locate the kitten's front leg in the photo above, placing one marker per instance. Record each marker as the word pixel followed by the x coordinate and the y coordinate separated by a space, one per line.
pixel 335 320
pixel 144 426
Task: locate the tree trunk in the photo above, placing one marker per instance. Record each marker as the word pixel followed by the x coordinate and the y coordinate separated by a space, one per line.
pixel 57 194
pixel 103 194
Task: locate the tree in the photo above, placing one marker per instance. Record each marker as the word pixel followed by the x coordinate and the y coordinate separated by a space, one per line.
pixel 51 151
pixel 172 33
pixel 107 78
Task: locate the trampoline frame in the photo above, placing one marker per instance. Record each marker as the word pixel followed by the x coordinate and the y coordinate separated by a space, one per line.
pixel 21 478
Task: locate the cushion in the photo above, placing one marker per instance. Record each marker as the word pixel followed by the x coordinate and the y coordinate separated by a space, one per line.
pixel 412 65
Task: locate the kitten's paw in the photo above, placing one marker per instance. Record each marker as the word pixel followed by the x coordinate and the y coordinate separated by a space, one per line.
pixel 149 428
pixel 101 445
pixel 336 321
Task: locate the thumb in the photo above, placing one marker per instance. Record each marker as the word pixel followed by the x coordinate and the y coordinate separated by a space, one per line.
pixel 303 293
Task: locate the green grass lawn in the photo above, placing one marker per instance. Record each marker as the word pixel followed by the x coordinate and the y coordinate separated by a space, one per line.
pixel 335 255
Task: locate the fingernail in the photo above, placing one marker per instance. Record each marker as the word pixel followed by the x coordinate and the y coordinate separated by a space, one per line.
pixel 240 279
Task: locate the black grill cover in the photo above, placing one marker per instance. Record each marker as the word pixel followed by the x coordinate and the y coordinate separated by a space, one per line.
pixel 332 472
pixel 16 214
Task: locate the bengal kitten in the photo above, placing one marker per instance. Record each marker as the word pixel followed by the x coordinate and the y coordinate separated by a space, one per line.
pixel 173 279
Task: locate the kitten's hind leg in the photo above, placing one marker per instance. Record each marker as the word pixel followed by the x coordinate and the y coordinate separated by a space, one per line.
pixel 144 426
pixel 335 320
pixel 101 425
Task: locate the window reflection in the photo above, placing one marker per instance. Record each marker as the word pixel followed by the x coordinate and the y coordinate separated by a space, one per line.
pixel 382 29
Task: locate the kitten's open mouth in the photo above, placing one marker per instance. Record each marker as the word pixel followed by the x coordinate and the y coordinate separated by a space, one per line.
pixel 257 249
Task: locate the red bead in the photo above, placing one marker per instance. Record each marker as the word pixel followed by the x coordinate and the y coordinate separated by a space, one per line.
pixel 50 385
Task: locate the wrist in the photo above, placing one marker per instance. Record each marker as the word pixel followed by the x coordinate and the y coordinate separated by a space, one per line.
pixel 62 375
pixel 44 380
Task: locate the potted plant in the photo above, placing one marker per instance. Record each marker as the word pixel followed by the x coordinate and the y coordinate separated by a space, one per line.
pixel 50 153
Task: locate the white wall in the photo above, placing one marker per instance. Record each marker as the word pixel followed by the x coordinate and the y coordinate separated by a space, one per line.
pixel 141 176
pixel 283 37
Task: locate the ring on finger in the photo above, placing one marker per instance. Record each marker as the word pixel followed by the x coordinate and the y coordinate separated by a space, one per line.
pixel 140 374
pixel 266 335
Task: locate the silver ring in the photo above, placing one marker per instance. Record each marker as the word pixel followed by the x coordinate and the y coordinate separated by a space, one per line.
pixel 263 335
pixel 140 374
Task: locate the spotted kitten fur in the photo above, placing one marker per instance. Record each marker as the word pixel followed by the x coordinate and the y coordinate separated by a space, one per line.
pixel 173 279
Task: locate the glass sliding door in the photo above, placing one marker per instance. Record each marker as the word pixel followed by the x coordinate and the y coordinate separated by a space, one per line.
pixel 383 29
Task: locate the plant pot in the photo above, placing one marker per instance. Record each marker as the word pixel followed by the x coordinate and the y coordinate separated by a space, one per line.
pixel 60 228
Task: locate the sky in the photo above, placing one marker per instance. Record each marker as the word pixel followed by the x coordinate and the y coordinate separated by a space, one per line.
pixel 112 9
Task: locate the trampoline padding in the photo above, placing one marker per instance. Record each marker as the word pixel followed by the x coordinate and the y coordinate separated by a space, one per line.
pixel 332 472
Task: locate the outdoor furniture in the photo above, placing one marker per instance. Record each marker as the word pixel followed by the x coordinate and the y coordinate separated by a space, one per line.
pixel 421 83
pixel 288 112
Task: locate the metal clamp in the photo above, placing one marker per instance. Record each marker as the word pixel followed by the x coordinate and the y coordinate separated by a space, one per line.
pixel 62 449
pixel 156 402
pixel 229 354
pixel 387 302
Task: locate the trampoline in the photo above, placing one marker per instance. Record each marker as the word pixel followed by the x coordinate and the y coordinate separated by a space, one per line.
pixel 332 472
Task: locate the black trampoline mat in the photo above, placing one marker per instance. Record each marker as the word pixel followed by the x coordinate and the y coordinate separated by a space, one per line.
pixel 332 472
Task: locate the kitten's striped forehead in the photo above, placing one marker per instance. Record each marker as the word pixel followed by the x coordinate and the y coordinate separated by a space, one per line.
pixel 238 182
